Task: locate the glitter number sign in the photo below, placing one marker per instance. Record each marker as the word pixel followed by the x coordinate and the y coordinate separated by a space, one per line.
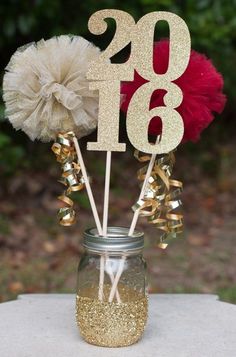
pixel 107 77
pixel 102 69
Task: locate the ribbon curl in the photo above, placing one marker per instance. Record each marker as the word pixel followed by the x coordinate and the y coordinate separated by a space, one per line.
pixel 160 199
pixel 71 176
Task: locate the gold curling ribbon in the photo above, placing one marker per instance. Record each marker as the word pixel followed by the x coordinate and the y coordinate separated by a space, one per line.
pixel 71 176
pixel 161 198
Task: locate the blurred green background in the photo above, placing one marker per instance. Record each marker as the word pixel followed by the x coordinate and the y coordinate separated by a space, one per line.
pixel 37 255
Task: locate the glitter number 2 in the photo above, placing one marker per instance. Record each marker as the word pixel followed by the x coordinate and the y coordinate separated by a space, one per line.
pixel 102 69
pixel 141 36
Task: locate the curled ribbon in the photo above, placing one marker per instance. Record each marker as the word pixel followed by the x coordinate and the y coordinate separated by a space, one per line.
pixel 71 176
pixel 160 199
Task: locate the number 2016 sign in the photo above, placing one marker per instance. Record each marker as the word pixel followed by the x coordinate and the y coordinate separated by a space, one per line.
pixel 106 77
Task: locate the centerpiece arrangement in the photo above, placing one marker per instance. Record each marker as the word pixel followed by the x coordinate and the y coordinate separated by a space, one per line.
pixel 64 88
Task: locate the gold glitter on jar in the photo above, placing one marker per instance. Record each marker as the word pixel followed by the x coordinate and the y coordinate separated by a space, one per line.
pixel 111 302
pixel 112 324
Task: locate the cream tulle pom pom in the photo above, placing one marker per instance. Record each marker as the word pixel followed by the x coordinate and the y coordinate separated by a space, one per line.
pixel 46 91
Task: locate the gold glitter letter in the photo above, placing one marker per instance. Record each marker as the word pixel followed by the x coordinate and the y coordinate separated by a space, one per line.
pixel 138 115
pixel 108 123
pixel 110 74
pixel 102 69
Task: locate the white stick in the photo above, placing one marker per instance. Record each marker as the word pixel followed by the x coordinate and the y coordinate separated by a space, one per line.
pixel 112 278
pixel 136 213
pixel 106 193
pixel 101 278
pixel 95 213
pixel 88 187
pixel 105 218
pixel 133 223
pixel 117 278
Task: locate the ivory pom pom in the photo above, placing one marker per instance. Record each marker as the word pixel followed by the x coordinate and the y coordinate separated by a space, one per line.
pixel 46 91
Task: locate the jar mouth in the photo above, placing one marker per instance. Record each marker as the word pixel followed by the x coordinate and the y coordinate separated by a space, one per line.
pixel 117 240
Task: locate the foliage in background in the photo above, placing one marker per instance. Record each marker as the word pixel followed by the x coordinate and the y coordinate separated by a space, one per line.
pixel 10 159
pixel 212 24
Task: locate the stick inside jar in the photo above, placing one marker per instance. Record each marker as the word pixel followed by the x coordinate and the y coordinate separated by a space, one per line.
pixel 104 261
pixel 101 231
pixel 112 278
pixel 87 185
pixel 117 278
pixel 132 226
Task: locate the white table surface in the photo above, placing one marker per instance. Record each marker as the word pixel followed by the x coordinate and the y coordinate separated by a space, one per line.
pixel 180 325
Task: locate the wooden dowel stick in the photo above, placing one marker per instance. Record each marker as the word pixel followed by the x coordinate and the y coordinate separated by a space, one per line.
pixel 105 212
pixel 112 278
pixel 136 213
pixel 95 213
pixel 117 278
pixel 106 193
pixel 133 225
pixel 101 278
pixel 88 187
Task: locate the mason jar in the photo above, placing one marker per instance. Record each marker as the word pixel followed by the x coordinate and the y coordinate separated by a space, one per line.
pixel 112 301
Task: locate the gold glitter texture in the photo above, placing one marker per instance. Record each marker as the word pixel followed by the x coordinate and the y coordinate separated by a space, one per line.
pixel 108 123
pixel 141 36
pixel 142 46
pixel 139 117
pixel 138 114
pixel 101 68
pixel 111 324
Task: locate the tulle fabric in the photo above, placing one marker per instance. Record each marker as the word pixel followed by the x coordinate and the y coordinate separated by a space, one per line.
pixel 46 91
pixel 201 85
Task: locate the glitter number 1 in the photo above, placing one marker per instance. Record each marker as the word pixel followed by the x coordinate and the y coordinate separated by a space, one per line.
pixel 108 75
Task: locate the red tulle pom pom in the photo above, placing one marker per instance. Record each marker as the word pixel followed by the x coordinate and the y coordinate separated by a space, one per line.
pixel 201 85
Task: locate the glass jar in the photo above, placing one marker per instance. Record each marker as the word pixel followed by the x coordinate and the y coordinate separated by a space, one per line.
pixel 112 302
